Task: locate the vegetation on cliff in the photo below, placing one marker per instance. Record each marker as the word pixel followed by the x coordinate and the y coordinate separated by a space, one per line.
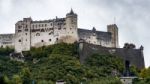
pixel 46 65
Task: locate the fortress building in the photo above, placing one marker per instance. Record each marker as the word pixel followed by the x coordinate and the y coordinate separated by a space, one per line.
pixel 29 33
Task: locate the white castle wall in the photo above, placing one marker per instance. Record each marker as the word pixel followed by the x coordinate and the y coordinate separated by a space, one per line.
pixel 29 33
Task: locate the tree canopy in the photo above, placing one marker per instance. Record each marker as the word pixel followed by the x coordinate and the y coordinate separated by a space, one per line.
pixel 47 64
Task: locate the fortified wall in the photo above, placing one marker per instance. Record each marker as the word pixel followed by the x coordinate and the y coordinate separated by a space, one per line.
pixel 134 56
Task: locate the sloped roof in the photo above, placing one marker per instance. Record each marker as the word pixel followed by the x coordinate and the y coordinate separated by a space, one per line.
pixel 106 36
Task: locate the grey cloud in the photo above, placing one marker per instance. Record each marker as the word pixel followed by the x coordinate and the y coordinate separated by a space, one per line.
pixel 132 16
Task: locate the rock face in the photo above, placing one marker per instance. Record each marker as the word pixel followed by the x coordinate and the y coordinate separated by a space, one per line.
pixel 134 56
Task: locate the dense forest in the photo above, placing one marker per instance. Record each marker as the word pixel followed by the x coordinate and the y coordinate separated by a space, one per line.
pixel 48 64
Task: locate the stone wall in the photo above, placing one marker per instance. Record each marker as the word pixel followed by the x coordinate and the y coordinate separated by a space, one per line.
pixel 6 40
pixel 134 56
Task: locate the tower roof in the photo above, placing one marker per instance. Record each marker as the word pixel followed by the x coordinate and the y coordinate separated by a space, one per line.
pixel 94 29
pixel 71 12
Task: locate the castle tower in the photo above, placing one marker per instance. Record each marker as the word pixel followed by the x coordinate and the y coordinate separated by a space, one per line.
pixel 23 35
pixel 113 29
pixel 71 25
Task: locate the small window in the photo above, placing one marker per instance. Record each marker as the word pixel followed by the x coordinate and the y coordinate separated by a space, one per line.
pixel 33 26
pixel 26 26
pixel 37 34
pixel 50 33
pixel 19 40
pixel 19 26
pixel 50 40
pixel 19 30
pixel 42 40
pixel 51 24
pixel 26 33
pixel 26 40
pixel 26 29
pixel 56 39
pixel 45 25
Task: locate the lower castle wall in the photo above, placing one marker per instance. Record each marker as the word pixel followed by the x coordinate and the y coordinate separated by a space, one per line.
pixel 135 56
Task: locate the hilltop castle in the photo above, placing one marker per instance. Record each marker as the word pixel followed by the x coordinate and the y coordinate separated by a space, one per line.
pixel 29 33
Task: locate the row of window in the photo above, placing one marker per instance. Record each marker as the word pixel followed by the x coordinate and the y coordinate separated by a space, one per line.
pixel 40 25
pixel 49 40
pixel 21 30
pixel 38 34
pixel 24 26
pixel 45 25
pixel 41 40
pixel 47 29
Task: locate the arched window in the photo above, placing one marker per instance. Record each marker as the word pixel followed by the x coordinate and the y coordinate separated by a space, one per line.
pixel 37 34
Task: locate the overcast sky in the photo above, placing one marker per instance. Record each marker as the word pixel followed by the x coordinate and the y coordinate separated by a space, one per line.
pixel 131 16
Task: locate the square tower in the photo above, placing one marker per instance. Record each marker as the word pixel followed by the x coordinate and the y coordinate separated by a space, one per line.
pixel 113 29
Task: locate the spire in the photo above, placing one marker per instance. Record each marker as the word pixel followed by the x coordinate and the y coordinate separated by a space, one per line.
pixel 71 12
pixel 94 29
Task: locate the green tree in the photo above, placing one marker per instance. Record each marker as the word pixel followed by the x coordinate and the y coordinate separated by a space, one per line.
pixel 16 79
pixel 145 73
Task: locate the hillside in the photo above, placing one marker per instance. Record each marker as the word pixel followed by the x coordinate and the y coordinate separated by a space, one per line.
pixel 46 65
